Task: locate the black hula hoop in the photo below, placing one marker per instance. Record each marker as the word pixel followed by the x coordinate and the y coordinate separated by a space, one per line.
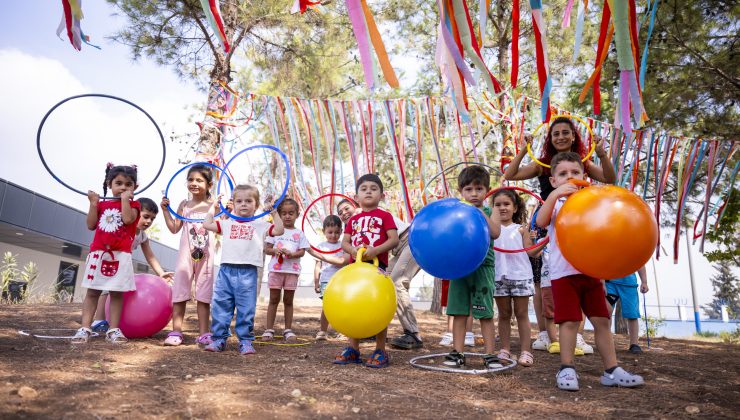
pixel 97 95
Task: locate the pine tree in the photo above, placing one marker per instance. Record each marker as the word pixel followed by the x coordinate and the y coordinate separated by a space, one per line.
pixel 726 292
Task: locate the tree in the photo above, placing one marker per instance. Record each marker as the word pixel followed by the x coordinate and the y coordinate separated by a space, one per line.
pixel 727 234
pixel 726 292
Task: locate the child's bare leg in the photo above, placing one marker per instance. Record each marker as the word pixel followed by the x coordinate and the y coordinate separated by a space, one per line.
pixel 272 308
pixel 380 339
pixel 568 331
pixel 116 306
pixel 604 341
pixel 100 311
pixel 503 303
pixel 324 322
pixel 633 327
pixel 469 323
pixel 88 307
pixel 204 317
pixel 458 332
pixel 552 329
pixel 521 311
pixel 178 315
pixel 541 326
pixel 288 308
pixel 354 343
pixel 450 318
pixel 487 329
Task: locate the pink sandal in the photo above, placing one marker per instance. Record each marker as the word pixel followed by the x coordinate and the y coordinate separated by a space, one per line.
pixel 174 338
pixel 204 339
pixel 526 359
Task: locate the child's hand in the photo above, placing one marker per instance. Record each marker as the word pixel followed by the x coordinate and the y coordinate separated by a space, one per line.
pixel 217 203
pixel 565 190
pixel 165 202
pixel 524 229
pixel 644 288
pixel 317 287
pixel 93 197
pixel 168 276
pixel 533 235
pixel 370 253
pixel 230 205
pixel 127 195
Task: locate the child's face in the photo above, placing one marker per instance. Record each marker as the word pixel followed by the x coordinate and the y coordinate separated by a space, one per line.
pixel 506 208
pixel 332 234
pixel 369 195
pixel 474 194
pixel 345 211
pixel 244 204
pixel 564 171
pixel 288 214
pixel 121 183
pixel 197 184
pixel 562 137
pixel 146 219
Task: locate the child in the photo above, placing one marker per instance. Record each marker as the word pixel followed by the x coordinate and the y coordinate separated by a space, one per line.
pixel 149 212
pixel 474 291
pixel 375 230
pixel 195 260
pixel 625 289
pixel 108 265
pixel 286 249
pixel 446 340
pixel 514 278
pixel 236 284
pixel 324 268
pixel 574 292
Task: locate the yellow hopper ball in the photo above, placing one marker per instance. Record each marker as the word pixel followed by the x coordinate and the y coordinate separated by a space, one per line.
pixel 360 300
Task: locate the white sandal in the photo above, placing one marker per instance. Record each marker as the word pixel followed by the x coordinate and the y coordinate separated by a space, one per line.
pixel 289 335
pixel 268 335
pixel 81 336
pixel 115 336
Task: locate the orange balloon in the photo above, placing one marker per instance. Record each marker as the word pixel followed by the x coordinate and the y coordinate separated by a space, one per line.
pixel 606 232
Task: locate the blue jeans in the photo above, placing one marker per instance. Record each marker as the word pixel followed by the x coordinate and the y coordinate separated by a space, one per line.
pixel 235 288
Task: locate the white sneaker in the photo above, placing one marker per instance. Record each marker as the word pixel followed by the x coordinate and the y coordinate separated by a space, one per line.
pixel 321 336
pixel 567 379
pixel 621 377
pixel 446 340
pixel 470 339
pixel 542 341
pixel 81 336
pixel 581 344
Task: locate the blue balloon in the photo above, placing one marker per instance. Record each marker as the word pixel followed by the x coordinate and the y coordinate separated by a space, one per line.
pixel 449 239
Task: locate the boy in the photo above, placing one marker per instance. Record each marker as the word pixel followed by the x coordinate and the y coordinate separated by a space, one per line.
pixel 149 210
pixel 573 291
pixel 625 288
pixel 375 230
pixel 474 292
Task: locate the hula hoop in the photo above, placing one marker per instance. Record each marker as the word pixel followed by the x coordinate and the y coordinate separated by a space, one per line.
pixel 167 190
pixel 302 342
pixel 305 213
pixel 580 120
pixel 447 169
pixel 544 240
pixel 282 195
pixel 511 363
pixel 99 95
pixel 36 334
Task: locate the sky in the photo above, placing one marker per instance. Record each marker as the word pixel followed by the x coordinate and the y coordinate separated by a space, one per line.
pixel 37 70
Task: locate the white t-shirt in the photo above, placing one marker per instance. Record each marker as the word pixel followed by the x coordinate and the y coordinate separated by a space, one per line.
pixel 139 239
pixel 328 269
pixel 292 240
pixel 242 242
pixel 559 267
pixel 515 266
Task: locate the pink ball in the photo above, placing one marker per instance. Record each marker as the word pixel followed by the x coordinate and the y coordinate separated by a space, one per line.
pixel 147 309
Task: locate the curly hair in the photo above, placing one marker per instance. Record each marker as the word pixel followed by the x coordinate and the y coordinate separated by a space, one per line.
pixel 548 151
pixel 520 215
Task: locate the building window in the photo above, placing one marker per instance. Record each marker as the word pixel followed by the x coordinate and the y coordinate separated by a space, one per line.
pixel 66 281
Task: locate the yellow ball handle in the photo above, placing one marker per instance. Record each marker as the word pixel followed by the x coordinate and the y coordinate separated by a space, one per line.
pixel 360 252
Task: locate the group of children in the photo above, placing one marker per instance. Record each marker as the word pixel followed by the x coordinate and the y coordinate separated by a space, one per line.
pixel 506 277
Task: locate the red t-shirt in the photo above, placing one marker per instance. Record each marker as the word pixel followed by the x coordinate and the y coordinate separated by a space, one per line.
pixel 370 228
pixel 110 233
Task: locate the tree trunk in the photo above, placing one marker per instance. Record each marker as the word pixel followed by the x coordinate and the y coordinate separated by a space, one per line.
pixel 620 324
pixel 436 307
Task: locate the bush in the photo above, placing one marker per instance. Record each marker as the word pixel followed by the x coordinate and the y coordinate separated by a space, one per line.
pixel 653 326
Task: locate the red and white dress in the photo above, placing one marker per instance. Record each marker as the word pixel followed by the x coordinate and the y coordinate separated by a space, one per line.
pixel 109 265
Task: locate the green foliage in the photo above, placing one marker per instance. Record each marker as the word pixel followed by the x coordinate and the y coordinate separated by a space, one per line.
pixel 706 334
pixel 727 235
pixel 726 292
pixel 730 337
pixel 653 326
pixel 12 276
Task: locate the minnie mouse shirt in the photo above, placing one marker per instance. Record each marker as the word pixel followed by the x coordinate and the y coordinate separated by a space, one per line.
pixel 292 240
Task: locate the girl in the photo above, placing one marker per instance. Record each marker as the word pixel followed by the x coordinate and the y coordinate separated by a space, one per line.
pixel 562 136
pixel 109 265
pixel 236 285
pixel 513 274
pixel 327 264
pixel 285 266
pixel 195 261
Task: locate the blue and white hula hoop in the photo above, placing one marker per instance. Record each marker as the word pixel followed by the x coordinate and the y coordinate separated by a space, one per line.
pixel 282 195
pixel 167 190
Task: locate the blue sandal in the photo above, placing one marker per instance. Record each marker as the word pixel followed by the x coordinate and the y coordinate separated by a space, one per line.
pixel 347 356
pixel 379 359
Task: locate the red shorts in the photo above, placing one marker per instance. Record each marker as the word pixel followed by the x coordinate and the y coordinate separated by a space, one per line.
pixel 548 306
pixel 576 293
pixel 445 290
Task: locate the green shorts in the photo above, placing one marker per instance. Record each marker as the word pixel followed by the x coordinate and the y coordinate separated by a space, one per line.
pixel 474 291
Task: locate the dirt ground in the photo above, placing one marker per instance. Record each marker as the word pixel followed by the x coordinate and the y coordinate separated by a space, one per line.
pixel 145 379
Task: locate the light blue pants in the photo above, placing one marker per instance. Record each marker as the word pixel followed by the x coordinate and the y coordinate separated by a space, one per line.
pixel 235 288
